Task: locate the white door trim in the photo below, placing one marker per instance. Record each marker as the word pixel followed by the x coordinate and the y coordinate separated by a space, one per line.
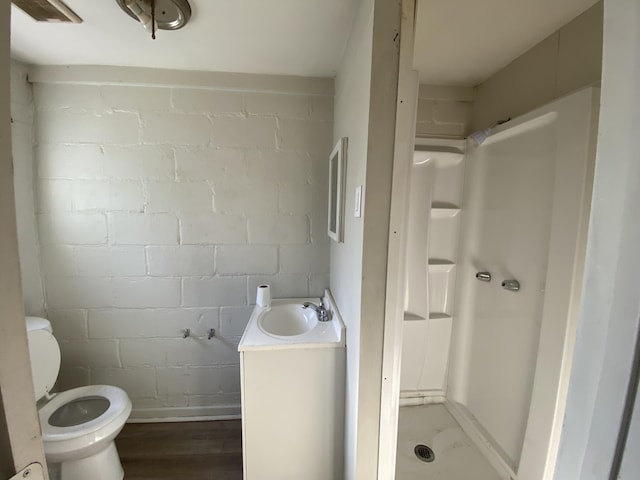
pixel 21 442
pixel 406 107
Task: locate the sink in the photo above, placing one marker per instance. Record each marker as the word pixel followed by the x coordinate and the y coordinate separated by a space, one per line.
pixel 287 320
pixel 285 324
pixel 293 382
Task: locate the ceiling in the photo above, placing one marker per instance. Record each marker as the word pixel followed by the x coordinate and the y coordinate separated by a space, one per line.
pixel 292 37
pixel 464 42
pixel 458 42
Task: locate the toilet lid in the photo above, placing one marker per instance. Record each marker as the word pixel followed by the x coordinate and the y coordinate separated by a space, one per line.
pixel 45 361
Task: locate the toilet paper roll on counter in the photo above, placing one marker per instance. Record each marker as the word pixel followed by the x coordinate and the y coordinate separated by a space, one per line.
pixel 263 297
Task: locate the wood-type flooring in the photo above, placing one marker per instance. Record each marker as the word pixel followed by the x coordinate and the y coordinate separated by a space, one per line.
pixel 181 451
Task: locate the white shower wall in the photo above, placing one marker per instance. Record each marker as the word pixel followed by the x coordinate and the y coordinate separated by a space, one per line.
pixel 444 113
pixel 162 208
pixel 523 216
pixel 527 197
pixel 433 230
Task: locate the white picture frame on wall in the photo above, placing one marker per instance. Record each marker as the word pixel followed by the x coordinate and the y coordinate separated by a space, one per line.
pixel 337 169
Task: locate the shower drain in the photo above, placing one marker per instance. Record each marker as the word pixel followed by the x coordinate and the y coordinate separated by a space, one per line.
pixel 424 453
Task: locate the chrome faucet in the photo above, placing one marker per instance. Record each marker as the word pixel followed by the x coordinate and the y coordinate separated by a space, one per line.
pixel 322 313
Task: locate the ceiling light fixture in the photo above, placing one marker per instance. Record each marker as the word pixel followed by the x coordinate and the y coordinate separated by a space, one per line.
pixel 158 14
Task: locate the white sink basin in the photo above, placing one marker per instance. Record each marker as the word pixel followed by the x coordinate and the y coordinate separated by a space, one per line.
pixel 286 325
pixel 287 320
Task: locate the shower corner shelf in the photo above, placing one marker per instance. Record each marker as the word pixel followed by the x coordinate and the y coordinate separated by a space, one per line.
pixel 440 261
pixel 412 317
pixel 444 206
pixel 441 266
pixel 436 193
pixel 438 212
pixel 443 157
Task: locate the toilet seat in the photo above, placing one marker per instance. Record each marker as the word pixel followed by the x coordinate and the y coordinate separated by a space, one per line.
pixel 119 405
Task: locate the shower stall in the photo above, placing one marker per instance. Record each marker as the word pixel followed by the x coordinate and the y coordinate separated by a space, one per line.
pixel 495 247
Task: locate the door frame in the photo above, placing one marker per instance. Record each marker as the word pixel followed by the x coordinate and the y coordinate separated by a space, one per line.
pixel 20 437
pixel 406 108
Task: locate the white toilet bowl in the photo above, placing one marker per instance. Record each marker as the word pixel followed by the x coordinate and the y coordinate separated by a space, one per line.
pixel 78 431
pixel 79 425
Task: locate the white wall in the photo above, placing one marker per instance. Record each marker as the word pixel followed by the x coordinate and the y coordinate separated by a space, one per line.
pixel 444 111
pixel 163 208
pixel 365 112
pixel 610 309
pixel 353 83
pixel 564 62
pixel 23 173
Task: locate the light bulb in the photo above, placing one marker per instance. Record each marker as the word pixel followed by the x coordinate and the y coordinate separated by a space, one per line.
pixel 137 7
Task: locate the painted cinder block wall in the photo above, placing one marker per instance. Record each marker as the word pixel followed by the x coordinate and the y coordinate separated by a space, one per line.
pixel 444 111
pixel 163 208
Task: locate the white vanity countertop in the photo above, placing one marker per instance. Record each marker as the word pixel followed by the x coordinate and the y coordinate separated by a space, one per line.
pixel 329 334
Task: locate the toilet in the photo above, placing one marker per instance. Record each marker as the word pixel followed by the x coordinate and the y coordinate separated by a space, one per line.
pixel 79 425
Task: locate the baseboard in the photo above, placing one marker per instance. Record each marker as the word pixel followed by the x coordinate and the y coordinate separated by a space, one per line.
pixel 481 439
pixel 185 414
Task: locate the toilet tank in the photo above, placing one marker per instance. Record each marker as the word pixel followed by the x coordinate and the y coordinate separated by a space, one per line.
pixel 44 354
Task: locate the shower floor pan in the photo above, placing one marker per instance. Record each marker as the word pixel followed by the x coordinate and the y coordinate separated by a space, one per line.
pixel 455 457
